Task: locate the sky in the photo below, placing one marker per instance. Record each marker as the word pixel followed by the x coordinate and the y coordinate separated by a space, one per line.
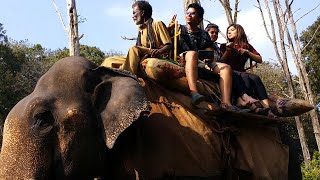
pixel 106 21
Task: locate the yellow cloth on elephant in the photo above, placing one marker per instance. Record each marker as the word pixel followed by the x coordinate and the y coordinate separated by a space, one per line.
pixel 136 53
pixel 114 61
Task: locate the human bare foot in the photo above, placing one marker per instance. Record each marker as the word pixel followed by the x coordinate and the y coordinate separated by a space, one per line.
pixel 248 99
pixel 241 103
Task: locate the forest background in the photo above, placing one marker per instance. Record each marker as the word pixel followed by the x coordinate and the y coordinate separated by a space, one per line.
pixel 32 38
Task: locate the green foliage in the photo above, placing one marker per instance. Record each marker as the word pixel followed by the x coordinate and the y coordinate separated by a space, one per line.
pixel 36 64
pixel 8 69
pixel 3 37
pixel 312 170
pixel 92 53
pixel 310 39
pixel 273 78
pixel 21 66
pixel 275 82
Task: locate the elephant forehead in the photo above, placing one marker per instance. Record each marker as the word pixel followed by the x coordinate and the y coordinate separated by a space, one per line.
pixel 63 79
pixel 56 83
pixel 74 116
pixel 71 112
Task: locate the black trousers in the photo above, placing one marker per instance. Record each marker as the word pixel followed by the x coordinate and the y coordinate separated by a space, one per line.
pixel 250 84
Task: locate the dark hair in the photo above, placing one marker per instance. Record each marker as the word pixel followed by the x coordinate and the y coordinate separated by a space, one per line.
pixel 241 38
pixel 212 25
pixel 198 8
pixel 145 7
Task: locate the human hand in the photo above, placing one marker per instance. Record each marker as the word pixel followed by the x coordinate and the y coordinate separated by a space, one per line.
pixel 174 17
pixel 207 61
pixel 154 52
pixel 181 60
pixel 243 51
pixel 172 23
pixel 229 46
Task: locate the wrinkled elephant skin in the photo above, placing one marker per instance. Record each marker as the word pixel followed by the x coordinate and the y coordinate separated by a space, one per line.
pixel 64 128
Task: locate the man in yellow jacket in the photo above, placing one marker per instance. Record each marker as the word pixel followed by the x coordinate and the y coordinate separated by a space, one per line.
pixel 153 39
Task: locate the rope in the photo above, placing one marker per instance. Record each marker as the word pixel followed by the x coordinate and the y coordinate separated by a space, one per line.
pixel 211 92
pixel 225 133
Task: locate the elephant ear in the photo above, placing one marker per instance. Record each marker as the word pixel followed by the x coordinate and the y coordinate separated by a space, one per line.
pixel 120 100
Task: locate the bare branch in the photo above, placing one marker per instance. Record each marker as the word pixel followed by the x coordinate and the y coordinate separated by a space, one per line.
pixel 282 90
pixel 207 21
pixel 227 9
pixel 314 34
pixel 59 14
pixel 235 15
pixel 131 39
pixel 294 80
pixel 264 20
pixel 303 77
pixel 307 13
pixel 81 36
pixel 224 36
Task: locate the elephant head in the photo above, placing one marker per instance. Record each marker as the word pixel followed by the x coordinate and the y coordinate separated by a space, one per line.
pixel 75 111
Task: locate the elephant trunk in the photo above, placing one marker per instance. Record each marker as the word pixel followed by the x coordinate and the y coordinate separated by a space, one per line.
pixel 22 156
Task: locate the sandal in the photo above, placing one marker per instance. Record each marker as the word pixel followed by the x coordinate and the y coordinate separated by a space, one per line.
pixel 233 108
pixel 270 114
pixel 260 111
pixel 196 98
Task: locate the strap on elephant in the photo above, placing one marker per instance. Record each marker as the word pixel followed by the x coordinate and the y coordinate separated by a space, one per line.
pixel 214 97
pixel 120 72
pixel 229 150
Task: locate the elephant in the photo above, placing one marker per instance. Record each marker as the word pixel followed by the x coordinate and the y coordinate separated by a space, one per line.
pixel 62 129
pixel 84 121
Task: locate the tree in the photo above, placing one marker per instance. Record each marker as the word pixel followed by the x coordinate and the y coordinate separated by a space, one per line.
pixel 310 39
pixel 36 64
pixel 228 10
pixel 3 37
pixel 284 18
pixel 72 29
pixel 274 80
pixel 7 71
pixel 312 171
pixel 281 46
pixel 90 52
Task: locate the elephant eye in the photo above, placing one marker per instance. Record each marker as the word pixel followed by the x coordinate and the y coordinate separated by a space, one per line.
pixel 43 121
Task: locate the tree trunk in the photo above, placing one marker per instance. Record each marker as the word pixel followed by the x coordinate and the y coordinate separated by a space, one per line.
pixel 303 76
pixel 284 64
pixel 227 8
pixel 303 142
pixel 74 45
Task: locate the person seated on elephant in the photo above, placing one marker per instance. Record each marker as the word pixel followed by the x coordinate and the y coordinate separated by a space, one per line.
pixel 238 88
pixel 192 39
pixel 236 53
pixel 153 38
